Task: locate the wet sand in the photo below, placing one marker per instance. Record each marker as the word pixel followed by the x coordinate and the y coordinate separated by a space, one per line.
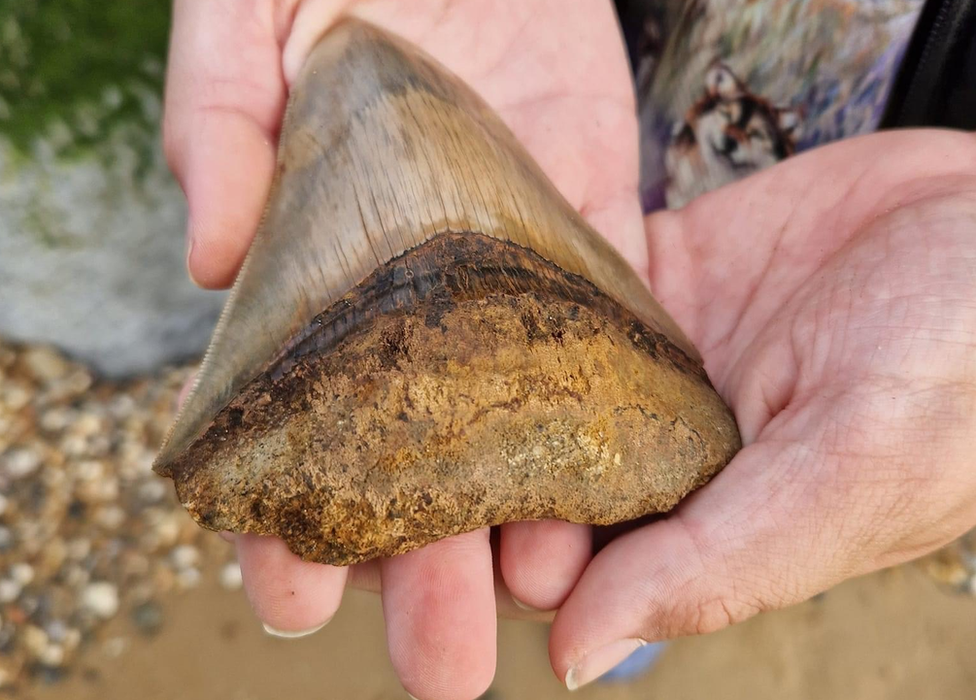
pixel 895 635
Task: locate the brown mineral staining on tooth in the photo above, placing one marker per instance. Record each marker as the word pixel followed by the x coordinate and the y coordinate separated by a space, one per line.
pixel 466 383
pixel 426 338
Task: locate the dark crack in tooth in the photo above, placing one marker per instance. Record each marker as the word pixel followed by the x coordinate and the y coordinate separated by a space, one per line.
pixel 426 338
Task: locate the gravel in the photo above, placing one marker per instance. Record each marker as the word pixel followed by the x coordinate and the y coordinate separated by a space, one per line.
pixel 88 532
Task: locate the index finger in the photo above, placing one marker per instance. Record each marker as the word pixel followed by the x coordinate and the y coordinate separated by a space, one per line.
pixel 225 97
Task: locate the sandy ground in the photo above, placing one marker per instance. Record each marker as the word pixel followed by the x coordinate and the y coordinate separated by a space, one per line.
pixel 895 635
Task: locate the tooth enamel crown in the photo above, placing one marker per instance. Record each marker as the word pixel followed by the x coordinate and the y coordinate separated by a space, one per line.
pixel 426 338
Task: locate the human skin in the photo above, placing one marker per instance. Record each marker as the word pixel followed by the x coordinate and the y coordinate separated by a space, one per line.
pixel 833 298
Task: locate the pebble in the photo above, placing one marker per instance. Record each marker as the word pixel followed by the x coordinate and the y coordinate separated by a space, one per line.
pixel 167 529
pixel 56 630
pixel 78 548
pixel 185 556
pixel 87 425
pixel 16 397
pixel 135 565
pixel 152 491
pixel 9 590
pixel 21 463
pixel 22 573
pixel 28 603
pixel 48 675
pixel 72 639
pixel 75 384
pixel 122 406
pixel 955 564
pixel 35 640
pixel 89 470
pixel 101 598
pixel 148 618
pixel 76 577
pixel 74 446
pixel 115 647
pixel 187 579
pixel 57 419
pixel 52 557
pixel 52 655
pixel 230 576
pixel 15 616
pixel 45 364
pixel 110 517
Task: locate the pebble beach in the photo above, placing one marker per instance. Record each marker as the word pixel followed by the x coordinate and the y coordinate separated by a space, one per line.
pixel 94 547
pixel 88 532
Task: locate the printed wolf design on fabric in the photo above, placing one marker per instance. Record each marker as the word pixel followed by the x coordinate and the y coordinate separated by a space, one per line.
pixel 729 133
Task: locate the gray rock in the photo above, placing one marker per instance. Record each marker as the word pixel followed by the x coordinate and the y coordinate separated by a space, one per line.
pixel 101 598
pixel 148 618
pixel 92 255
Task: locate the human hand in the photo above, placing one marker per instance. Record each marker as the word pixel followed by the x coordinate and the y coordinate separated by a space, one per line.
pixel 571 106
pixel 833 298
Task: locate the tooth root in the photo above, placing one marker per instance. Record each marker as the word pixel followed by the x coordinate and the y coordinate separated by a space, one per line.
pixel 383 155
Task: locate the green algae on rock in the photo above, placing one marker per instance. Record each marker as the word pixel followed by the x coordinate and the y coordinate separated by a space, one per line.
pixel 82 65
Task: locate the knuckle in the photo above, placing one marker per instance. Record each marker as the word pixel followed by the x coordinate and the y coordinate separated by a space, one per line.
pixel 715 614
pixel 709 596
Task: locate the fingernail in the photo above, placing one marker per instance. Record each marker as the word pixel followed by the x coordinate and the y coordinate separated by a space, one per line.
pixel 598 662
pixel 411 697
pixel 292 634
pixel 226 536
pixel 527 608
pixel 189 254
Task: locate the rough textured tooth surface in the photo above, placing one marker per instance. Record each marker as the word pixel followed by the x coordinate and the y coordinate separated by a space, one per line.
pixel 426 338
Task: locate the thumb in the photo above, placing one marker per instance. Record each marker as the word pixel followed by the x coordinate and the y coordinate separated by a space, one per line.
pixel 758 537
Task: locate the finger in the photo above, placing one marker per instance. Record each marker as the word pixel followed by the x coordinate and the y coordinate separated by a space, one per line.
pixel 290 596
pixel 542 561
pixel 439 605
pixel 366 577
pixel 312 19
pixel 225 96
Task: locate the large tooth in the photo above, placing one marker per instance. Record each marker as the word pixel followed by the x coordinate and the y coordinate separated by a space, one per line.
pixel 426 338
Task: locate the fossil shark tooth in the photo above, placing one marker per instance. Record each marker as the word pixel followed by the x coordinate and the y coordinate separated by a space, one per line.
pixel 426 338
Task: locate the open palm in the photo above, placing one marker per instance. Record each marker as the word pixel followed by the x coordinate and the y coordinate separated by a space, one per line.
pixel 833 298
